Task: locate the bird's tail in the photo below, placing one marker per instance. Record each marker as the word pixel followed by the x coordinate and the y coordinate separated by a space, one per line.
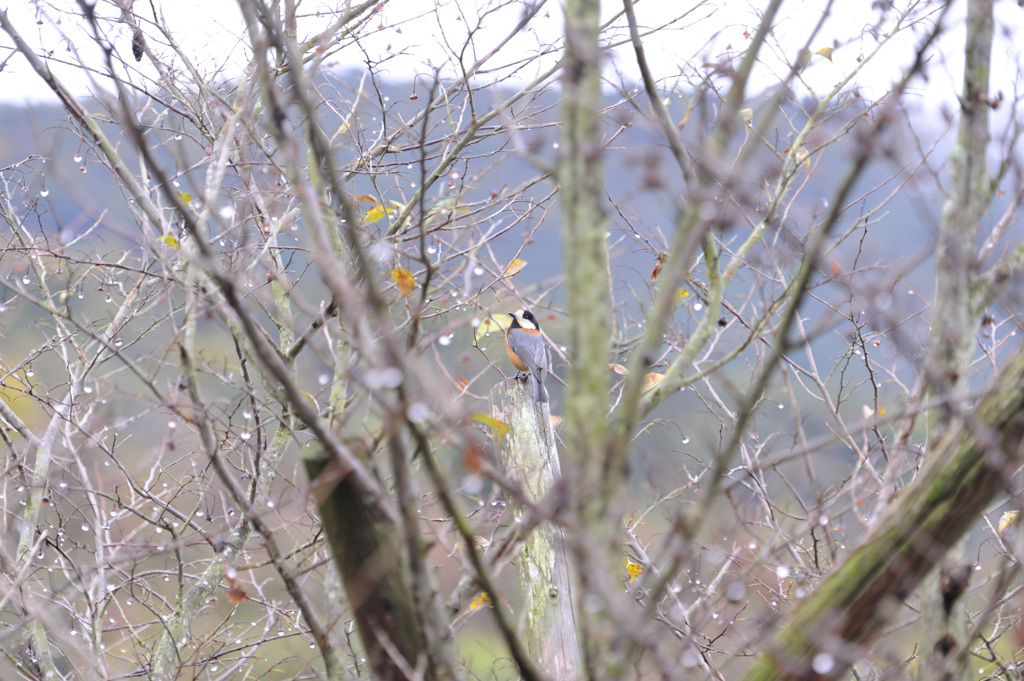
pixel 540 393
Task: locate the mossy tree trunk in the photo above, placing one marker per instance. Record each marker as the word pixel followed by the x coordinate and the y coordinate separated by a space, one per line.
pixel 583 236
pixel 584 227
pixel 945 645
pixel 529 457
pixel 969 467
pixel 367 549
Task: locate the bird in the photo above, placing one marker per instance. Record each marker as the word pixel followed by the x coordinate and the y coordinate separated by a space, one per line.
pixel 525 349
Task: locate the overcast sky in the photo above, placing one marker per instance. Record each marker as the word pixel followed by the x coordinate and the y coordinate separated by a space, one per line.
pixel 416 35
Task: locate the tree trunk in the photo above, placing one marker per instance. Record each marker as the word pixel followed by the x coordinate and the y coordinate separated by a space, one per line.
pixel 944 644
pixel 529 457
pixel 854 603
pixel 584 227
pixel 367 550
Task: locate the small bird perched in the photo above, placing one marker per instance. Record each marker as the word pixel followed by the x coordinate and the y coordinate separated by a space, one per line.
pixel 525 348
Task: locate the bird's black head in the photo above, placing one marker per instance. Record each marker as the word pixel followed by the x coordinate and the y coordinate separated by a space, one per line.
pixel 524 319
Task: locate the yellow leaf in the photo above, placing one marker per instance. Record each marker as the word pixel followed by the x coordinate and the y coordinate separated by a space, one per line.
pixel 825 52
pixel 515 267
pixel 499 428
pixel 168 240
pixel 634 570
pixel 374 214
pixel 404 280
pixel 312 400
pixel 377 211
pixel 682 294
pixel 619 369
pixel 13 383
pixel 186 197
pixel 881 411
pixel 556 421
pixel 479 601
pixel 490 325
pixel 652 379
pixel 1007 518
pixel 365 198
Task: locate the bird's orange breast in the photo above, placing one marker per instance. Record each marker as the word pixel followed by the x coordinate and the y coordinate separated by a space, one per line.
pixel 513 357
